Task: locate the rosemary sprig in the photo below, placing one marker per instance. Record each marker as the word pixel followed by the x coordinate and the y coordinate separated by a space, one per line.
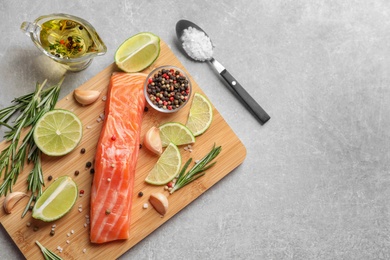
pixel 49 255
pixel 13 158
pixel 198 170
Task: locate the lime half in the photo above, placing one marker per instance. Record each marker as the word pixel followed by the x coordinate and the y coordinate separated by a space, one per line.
pixel 167 166
pixel 200 116
pixel 56 200
pixel 138 52
pixel 176 133
pixel 58 132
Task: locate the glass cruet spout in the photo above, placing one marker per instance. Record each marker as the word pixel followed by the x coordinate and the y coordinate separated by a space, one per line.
pixel 29 28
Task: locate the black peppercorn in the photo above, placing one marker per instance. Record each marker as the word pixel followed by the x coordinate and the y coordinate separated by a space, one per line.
pixel 88 164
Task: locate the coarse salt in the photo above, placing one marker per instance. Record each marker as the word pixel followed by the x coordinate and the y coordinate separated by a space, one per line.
pixel 197 44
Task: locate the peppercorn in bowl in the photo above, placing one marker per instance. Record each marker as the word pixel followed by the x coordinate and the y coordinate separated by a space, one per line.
pixel 167 89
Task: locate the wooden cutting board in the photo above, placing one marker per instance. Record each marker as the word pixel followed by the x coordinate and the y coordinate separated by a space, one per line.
pixel 72 231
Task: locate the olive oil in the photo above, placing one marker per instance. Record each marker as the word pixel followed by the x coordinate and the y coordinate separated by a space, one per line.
pixel 66 39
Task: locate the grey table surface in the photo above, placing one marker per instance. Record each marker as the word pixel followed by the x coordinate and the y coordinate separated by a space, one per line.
pixel 315 183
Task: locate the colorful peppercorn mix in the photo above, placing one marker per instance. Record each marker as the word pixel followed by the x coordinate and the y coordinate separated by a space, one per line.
pixel 168 89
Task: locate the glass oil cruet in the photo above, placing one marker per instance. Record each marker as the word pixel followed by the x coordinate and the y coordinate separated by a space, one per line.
pixel 66 39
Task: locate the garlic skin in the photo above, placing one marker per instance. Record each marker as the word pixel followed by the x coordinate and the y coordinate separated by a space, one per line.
pixel 86 97
pixel 12 199
pixel 152 140
pixel 159 202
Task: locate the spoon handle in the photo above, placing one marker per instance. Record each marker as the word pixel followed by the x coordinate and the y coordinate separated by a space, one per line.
pixel 243 95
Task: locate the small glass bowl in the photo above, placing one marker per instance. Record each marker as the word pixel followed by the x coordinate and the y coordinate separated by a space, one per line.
pixel 167 89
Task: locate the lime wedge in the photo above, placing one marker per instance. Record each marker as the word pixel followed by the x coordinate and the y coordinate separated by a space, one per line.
pixel 200 116
pixel 56 200
pixel 138 52
pixel 167 166
pixel 58 132
pixel 176 133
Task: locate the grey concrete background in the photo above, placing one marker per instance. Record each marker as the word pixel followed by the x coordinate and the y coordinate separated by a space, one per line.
pixel 315 182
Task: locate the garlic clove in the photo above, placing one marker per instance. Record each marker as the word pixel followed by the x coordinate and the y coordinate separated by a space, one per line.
pixel 86 97
pixel 159 202
pixel 152 140
pixel 12 199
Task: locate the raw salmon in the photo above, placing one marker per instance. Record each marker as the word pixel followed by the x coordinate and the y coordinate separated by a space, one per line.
pixel 116 158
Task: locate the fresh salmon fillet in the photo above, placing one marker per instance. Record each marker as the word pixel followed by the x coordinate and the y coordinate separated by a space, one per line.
pixel 116 158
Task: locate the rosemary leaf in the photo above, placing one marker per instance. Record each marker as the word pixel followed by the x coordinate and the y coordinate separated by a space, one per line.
pixel 49 255
pixel 197 171
pixel 13 158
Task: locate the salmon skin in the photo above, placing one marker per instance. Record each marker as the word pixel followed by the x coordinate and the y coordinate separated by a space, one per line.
pixel 116 158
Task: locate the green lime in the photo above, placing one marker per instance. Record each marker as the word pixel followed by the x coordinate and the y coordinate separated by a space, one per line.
pixel 167 166
pixel 200 116
pixel 58 132
pixel 176 133
pixel 56 200
pixel 138 52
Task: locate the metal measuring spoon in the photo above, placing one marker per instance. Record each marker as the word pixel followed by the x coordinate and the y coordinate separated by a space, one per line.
pixel 240 92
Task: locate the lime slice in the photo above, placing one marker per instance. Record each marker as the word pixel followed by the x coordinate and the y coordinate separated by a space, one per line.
pixel 58 132
pixel 200 116
pixel 138 52
pixel 176 133
pixel 167 166
pixel 56 200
